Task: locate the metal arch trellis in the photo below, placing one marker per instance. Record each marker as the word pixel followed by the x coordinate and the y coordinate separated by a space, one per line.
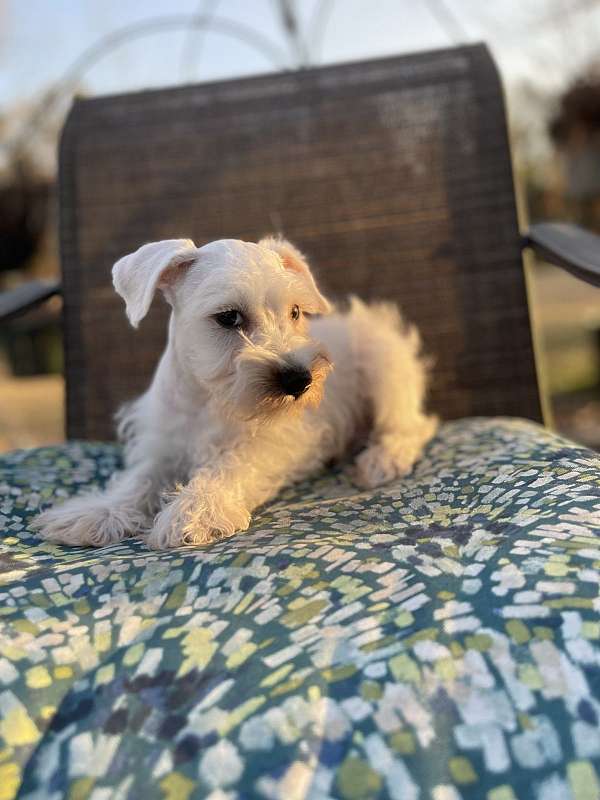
pixel 107 43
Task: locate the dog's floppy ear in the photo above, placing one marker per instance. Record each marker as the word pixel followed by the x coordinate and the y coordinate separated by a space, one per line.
pixel 153 266
pixel 293 260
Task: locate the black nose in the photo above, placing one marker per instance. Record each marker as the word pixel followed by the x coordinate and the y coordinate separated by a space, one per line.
pixel 295 381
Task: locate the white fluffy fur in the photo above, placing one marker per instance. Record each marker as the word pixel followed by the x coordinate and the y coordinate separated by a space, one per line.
pixel 214 436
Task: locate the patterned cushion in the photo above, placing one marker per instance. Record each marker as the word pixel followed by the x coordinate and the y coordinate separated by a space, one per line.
pixel 437 638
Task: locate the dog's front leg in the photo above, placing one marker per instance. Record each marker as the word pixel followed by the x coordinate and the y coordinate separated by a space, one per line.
pixel 217 501
pixel 209 507
pixel 96 519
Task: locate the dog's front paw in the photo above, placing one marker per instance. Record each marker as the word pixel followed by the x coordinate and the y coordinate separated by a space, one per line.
pixel 181 523
pixel 392 455
pixel 381 463
pixel 87 521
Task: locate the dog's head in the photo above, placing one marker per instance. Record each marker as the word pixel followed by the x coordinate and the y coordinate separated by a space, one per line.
pixel 239 325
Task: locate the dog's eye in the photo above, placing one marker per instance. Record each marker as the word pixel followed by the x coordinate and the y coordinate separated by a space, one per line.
pixel 295 312
pixel 230 319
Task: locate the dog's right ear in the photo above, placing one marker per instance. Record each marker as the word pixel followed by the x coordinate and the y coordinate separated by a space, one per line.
pixel 153 266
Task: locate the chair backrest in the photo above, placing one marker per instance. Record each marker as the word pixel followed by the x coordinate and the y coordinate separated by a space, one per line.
pixel 393 175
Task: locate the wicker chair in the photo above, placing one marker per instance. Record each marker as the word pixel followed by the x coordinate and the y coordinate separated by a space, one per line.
pixel 362 623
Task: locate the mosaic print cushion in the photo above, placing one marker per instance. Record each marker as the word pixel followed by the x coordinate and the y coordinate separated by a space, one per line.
pixel 435 639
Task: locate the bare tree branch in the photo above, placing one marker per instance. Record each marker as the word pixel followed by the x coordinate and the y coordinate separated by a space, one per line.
pixel 192 48
pixel 318 27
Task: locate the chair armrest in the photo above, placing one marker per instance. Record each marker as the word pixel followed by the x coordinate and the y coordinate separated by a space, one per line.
pixel 17 301
pixel 567 246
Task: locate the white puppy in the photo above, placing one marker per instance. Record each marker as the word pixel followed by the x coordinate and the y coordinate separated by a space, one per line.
pixel 244 400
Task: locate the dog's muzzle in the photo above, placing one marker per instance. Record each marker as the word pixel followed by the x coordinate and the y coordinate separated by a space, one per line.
pixel 294 381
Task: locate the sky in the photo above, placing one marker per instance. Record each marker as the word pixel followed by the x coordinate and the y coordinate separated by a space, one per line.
pixel 544 42
pixel 40 39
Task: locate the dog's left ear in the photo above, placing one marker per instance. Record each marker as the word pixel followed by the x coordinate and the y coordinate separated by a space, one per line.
pixel 293 260
pixel 153 266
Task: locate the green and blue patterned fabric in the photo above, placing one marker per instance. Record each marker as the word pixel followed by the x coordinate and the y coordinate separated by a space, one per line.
pixel 437 638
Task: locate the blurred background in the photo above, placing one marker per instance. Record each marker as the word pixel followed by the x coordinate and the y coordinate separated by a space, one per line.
pixel 547 52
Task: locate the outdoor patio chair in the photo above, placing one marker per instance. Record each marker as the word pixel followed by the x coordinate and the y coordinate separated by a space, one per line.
pixel 435 638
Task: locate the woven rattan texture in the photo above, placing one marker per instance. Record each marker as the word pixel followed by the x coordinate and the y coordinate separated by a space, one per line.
pixel 393 175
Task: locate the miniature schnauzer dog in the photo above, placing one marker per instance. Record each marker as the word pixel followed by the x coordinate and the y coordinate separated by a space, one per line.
pixel 246 399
